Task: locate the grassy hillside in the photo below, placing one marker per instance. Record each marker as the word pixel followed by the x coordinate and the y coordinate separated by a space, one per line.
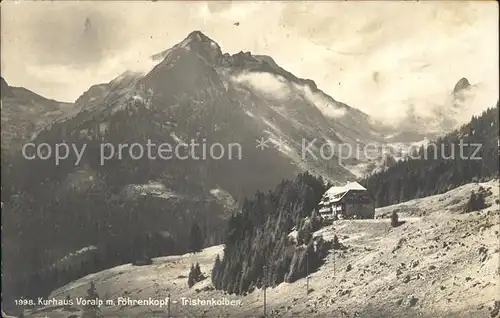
pixel 440 262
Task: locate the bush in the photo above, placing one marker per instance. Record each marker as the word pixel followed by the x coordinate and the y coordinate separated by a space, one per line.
pixel 475 203
pixel 323 247
pixel 336 244
pixel 142 262
pixel 394 219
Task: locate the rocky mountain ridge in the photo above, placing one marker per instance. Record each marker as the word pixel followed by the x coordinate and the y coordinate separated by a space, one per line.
pixel 24 113
pixel 198 92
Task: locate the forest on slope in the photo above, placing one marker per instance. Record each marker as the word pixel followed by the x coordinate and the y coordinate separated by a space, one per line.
pixel 258 250
pixel 50 211
pixel 439 166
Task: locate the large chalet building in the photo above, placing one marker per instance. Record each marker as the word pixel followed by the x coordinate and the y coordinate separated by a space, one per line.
pixel 351 201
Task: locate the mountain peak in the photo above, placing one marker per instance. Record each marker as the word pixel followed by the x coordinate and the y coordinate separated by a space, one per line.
pixel 202 45
pixel 196 42
pixel 5 89
pixel 462 84
pixel 198 36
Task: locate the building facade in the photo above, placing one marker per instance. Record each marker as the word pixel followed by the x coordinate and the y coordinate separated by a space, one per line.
pixel 351 201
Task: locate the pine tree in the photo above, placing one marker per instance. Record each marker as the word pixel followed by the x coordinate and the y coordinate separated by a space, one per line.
pixel 195 275
pixel 191 280
pixel 197 271
pixel 394 219
pixel 91 310
pixel 215 271
pixel 195 239
pixel 67 302
pixel 336 243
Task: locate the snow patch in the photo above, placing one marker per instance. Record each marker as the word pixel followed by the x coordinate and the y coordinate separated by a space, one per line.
pixel 153 189
pixel 79 252
pixel 268 123
pixel 224 197
pixel 292 236
pixel 177 139
pixel 249 113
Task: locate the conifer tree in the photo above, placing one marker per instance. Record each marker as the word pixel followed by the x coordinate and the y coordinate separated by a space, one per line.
pixel 91 310
pixel 394 219
pixel 191 280
pixel 195 238
pixel 197 271
pixel 215 270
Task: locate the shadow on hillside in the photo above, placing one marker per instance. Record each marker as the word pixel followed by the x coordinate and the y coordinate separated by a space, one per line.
pixel 400 223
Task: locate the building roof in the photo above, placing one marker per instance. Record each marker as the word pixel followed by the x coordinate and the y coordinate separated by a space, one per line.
pixel 349 186
pixel 334 194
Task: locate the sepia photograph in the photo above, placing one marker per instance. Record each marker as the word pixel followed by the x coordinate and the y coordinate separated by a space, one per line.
pixel 250 159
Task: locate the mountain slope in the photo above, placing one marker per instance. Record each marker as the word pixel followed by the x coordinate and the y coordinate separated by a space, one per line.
pixel 125 205
pixel 197 93
pixel 194 93
pixel 439 263
pixel 23 113
pixel 442 165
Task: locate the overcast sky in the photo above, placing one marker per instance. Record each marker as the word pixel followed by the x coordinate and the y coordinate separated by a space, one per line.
pixel 371 55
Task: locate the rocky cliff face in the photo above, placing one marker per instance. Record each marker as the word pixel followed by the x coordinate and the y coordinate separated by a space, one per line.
pixel 23 113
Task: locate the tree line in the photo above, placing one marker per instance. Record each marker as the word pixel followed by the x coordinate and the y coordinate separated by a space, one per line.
pixel 430 173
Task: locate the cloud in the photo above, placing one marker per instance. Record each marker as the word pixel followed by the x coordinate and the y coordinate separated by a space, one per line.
pixel 321 101
pixel 386 55
pixel 274 86
pixel 62 34
pixel 277 87
pixel 218 6
pixel 418 50
pixel 60 49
